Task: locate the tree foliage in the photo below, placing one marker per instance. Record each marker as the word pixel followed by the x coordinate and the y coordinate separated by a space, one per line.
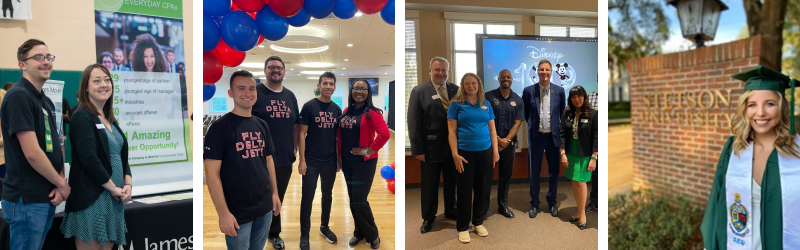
pixel 640 30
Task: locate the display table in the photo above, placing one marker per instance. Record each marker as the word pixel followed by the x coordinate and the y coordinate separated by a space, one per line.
pixel 166 225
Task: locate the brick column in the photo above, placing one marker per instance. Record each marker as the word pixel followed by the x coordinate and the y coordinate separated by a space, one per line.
pixel 681 106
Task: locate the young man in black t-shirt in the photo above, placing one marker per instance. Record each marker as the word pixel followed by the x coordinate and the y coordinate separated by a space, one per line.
pixel 277 106
pixel 239 169
pixel 318 158
pixel 34 182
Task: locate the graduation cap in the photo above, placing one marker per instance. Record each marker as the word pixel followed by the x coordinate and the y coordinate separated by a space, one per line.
pixel 765 78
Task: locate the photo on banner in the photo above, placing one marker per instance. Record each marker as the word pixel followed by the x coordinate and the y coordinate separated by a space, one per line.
pixel 16 9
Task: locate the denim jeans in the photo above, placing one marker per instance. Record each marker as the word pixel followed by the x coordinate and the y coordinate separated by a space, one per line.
pixel 251 235
pixel 28 223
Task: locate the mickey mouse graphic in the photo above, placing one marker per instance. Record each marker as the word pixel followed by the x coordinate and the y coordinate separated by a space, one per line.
pixel 561 70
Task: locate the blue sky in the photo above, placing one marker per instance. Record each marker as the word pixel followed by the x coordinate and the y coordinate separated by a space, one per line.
pixel 730 25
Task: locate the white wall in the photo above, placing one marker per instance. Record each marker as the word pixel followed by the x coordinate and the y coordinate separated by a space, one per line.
pixel 304 91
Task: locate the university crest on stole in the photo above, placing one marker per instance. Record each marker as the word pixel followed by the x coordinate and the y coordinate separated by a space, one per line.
pixel 739 216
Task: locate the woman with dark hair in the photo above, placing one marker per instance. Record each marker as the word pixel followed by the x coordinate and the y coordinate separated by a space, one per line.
pixel 579 147
pixel 107 60
pixel 358 156
pixel 147 55
pixel 473 143
pixel 100 177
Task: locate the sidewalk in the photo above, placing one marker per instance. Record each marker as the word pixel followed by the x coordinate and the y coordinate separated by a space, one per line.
pixel 620 174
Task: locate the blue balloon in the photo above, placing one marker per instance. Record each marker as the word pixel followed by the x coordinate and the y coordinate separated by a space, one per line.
pixel 387 172
pixel 344 9
pixel 239 30
pixel 217 19
pixel 272 26
pixel 210 34
pixel 208 91
pixel 387 13
pixel 300 19
pixel 216 7
pixel 318 9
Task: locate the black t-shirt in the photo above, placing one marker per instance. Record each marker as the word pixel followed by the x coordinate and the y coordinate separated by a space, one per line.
pixel 351 133
pixel 26 109
pixel 279 110
pixel 321 119
pixel 242 143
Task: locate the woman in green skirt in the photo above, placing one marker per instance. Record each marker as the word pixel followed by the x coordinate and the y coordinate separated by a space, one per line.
pixel 579 147
pixel 100 177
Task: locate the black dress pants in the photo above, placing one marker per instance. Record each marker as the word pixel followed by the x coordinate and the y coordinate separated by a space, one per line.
pixel 506 165
pixel 359 175
pixel 430 172
pixel 282 175
pixel 593 194
pixel 476 178
pixel 327 174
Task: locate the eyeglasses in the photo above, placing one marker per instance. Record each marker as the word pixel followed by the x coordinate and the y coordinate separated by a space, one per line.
pixel 275 68
pixel 41 57
pixel 361 89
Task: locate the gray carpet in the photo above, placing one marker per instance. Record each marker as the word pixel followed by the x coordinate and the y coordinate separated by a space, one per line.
pixel 521 232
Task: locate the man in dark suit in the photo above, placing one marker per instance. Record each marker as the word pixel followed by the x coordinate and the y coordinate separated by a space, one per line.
pixel 427 130
pixel 544 104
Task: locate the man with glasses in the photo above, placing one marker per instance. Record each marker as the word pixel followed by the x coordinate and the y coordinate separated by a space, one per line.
pixel 277 106
pixel 34 182
pixel 427 130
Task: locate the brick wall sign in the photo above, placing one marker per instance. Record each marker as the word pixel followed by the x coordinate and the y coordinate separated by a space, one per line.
pixel 682 105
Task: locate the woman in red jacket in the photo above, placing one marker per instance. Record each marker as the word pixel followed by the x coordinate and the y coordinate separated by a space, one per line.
pixel 358 156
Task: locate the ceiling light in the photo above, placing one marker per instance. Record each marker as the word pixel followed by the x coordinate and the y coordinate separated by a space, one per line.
pixel 260 46
pixel 291 69
pixel 325 25
pixel 312 78
pixel 342 73
pixel 254 65
pixel 312 72
pixel 359 13
pixel 316 64
pixel 344 68
pixel 385 73
pixel 346 59
pixel 349 45
pixel 322 48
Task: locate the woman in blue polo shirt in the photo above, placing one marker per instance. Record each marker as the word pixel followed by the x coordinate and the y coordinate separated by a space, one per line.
pixel 473 142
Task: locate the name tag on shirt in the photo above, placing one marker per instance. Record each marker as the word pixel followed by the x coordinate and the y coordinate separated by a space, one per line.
pixel 483 107
pixel 100 126
pixel 513 104
pixel 584 120
pixel 436 96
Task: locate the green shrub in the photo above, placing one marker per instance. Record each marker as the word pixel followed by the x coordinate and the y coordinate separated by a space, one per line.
pixel 641 220
pixel 619 107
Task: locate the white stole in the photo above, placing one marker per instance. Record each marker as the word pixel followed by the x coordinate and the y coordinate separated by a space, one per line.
pixel 738 196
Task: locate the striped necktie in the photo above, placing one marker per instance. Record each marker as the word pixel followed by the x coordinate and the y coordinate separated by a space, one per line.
pixel 445 102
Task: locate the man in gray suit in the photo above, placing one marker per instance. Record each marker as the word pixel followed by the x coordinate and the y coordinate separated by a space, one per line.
pixel 427 130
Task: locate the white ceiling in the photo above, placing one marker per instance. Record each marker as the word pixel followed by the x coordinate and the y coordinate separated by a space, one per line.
pixel 372 39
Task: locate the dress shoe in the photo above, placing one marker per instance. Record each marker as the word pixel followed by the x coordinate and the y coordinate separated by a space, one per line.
pixel 354 241
pixel 582 226
pixel 573 219
pixel 505 212
pixel 277 242
pixel 480 230
pixel 590 207
pixel 532 213
pixel 426 226
pixel 554 211
pixel 375 245
pixel 463 236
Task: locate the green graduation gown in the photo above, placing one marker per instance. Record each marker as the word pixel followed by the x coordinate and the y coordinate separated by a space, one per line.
pixel 715 219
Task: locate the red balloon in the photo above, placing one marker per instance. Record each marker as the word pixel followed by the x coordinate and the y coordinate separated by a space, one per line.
pixel 249 5
pixel 260 39
pixel 391 185
pixel 227 55
pixel 234 7
pixel 212 68
pixel 287 8
pixel 370 7
pixel 392 165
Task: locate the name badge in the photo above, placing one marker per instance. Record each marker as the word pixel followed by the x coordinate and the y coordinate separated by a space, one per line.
pixel 483 107
pixel 100 126
pixel 584 120
pixel 513 104
pixel 436 96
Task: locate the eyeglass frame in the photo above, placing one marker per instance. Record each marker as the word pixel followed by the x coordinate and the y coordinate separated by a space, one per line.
pixel 49 57
pixel 365 90
pixel 273 68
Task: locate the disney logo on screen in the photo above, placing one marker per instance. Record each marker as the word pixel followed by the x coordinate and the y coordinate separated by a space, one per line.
pixel 537 53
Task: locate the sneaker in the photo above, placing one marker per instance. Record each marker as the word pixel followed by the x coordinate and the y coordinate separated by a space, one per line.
pixel 480 230
pixel 277 242
pixel 463 236
pixel 304 242
pixel 328 234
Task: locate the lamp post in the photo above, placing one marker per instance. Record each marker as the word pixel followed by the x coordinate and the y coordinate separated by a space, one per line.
pixel 699 18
